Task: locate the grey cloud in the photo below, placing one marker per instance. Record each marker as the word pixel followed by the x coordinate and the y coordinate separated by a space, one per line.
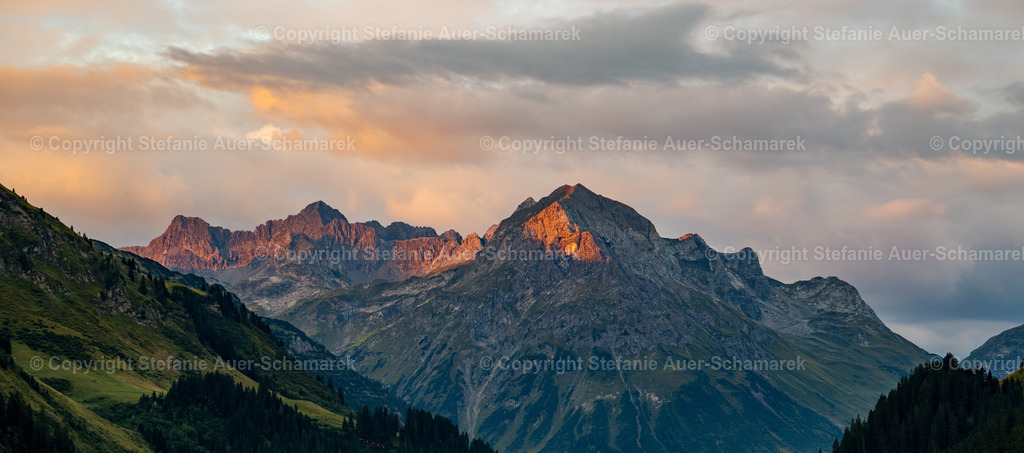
pixel 614 49
pixel 988 291
pixel 991 290
pixel 909 131
pixel 1014 93
pixel 652 50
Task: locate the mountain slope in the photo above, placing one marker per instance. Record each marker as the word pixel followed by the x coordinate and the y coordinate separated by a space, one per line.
pixel 299 256
pixel 85 430
pixel 1002 354
pixel 578 327
pixel 95 341
pixel 62 298
pixel 358 390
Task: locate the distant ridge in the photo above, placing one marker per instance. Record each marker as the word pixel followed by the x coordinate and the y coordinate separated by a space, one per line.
pixel 315 249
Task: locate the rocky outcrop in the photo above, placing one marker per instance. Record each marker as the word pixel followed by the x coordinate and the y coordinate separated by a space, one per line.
pixel 400 231
pixel 190 243
pixel 1002 354
pixel 557 234
pixel 317 249
pixel 490 232
pixel 579 280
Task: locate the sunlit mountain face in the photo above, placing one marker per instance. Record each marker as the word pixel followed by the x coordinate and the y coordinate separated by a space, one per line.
pixel 455 208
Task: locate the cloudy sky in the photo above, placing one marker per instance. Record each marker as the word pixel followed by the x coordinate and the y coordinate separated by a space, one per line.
pixel 899 125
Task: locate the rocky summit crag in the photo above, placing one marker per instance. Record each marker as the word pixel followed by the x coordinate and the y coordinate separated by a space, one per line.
pixel 577 327
pixel 282 261
pixel 1002 354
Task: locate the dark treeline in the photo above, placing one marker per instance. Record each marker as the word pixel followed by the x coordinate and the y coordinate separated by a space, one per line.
pixel 23 429
pixel 428 433
pixel 378 427
pixel 942 409
pixel 214 413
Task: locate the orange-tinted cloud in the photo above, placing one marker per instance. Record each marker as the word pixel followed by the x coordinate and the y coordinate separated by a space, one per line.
pixel 88 102
pixel 904 210
pixel 933 96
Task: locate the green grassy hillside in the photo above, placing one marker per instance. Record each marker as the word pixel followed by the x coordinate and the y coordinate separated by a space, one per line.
pixel 106 328
pixel 93 338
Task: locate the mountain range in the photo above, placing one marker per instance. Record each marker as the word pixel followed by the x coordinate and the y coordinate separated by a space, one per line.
pixel 102 350
pixel 282 261
pixel 572 325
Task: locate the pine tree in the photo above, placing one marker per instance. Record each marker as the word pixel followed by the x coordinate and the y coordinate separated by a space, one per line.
pixel 947 409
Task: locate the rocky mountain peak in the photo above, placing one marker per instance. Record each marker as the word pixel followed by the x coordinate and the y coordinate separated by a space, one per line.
pixel 574 221
pixel 1002 354
pixel 190 231
pixel 600 214
pixel 691 237
pixel 570 190
pixel 625 291
pixel 834 295
pixel 599 222
pixel 490 232
pixel 188 243
pixel 320 212
pixel 451 235
pixel 401 231
pixel 314 221
pixel 529 201
pixel 183 223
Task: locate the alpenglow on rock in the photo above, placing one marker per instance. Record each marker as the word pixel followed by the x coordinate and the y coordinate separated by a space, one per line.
pixel 318 249
pixel 578 327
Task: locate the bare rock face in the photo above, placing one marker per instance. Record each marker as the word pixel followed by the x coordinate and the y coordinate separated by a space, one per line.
pixel 574 222
pixel 1002 354
pixel 528 202
pixel 400 231
pixel 189 243
pixel 426 255
pixel 553 229
pixel 577 279
pixel 317 249
pixel 490 232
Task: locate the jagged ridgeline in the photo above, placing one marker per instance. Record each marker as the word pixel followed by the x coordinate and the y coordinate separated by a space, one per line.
pixel 104 351
pixel 577 327
pixel 1002 354
pixel 282 261
pixel 943 408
